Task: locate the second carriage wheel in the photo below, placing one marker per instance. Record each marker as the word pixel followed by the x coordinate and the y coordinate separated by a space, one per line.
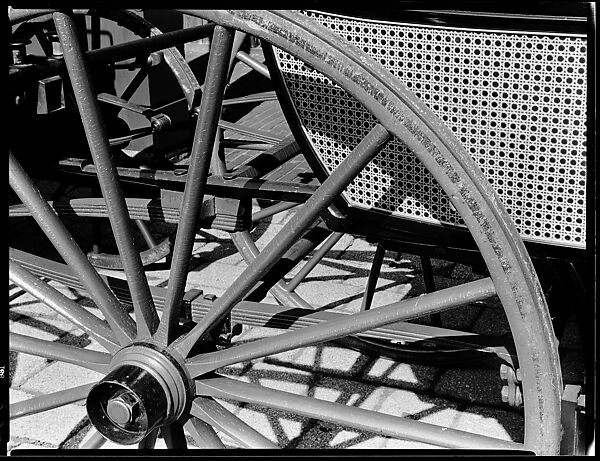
pixel 147 122
pixel 161 375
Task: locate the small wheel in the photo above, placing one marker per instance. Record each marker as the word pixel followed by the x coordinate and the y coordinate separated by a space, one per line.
pixel 162 374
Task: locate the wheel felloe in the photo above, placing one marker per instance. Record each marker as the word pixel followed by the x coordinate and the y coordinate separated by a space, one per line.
pixel 145 389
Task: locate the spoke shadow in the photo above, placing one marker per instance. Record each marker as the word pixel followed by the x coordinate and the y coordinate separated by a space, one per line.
pixel 367 382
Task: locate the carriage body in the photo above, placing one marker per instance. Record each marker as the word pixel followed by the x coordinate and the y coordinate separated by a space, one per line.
pixel 512 86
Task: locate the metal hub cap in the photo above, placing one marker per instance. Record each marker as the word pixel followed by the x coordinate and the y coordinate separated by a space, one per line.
pixel 146 388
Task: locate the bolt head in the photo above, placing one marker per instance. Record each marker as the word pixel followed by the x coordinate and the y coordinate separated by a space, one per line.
pixel 122 409
pixel 505 394
pixel 504 371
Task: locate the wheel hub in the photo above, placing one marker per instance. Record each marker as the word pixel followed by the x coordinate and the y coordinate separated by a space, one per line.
pixel 146 387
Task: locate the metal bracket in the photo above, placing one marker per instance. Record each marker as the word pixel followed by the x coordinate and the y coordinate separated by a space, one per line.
pixel 572 419
pixel 51 95
pixel 232 215
pixel 511 392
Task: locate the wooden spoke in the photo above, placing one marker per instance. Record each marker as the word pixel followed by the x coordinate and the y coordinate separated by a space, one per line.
pixel 143 304
pixel 50 401
pixel 203 434
pixel 92 360
pixel 358 418
pixel 348 325
pixel 206 130
pixel 220 418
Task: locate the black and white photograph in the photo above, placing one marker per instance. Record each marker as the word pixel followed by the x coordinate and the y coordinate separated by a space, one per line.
pixel 327 231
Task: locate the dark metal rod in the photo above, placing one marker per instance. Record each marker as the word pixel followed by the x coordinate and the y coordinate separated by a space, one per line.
pixel 113 262
pixel 427 271
pixel 149 441
pixel 148 238
pixel 95 31
pixel 200 159
pixel 272 210
pixel 203 434
pixel 218 164
pixel 44 42
pixel 373 277
pixel 66 307
pixel 133 134
pixel 81 82
pixel 257 97
pixel 135 82
pixel 254 64
pixel 244 144
pixel 174 436
pixel 314 260
pixel 223 420
pixel 125 104
pixel 18 15
pixel 59 236
pixel 92 360
pixel 429 281
pixel 144 46
pixel 238 41
pixel 50 401
pixel 294 228
pixel 358 418
pixel 352 324
pixel 250 132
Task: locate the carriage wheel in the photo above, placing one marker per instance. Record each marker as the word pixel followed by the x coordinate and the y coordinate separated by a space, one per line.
pixel 162 375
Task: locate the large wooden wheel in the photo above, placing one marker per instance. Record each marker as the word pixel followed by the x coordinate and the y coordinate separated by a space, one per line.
pixel 161 375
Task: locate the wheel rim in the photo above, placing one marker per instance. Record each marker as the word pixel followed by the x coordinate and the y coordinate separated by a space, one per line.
pixel 513 278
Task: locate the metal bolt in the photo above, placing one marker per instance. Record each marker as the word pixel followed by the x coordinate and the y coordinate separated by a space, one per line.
pixel 122 409
pixel 518 398
pixel 19 50
pixel 504 371
pixel 57 50
pixel 160 122
pixel 154 59
pixel 505 394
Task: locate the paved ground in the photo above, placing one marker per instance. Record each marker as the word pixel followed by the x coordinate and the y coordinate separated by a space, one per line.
pixel 466 398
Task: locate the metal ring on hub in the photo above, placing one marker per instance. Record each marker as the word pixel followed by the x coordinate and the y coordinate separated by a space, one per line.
pixel 146 388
